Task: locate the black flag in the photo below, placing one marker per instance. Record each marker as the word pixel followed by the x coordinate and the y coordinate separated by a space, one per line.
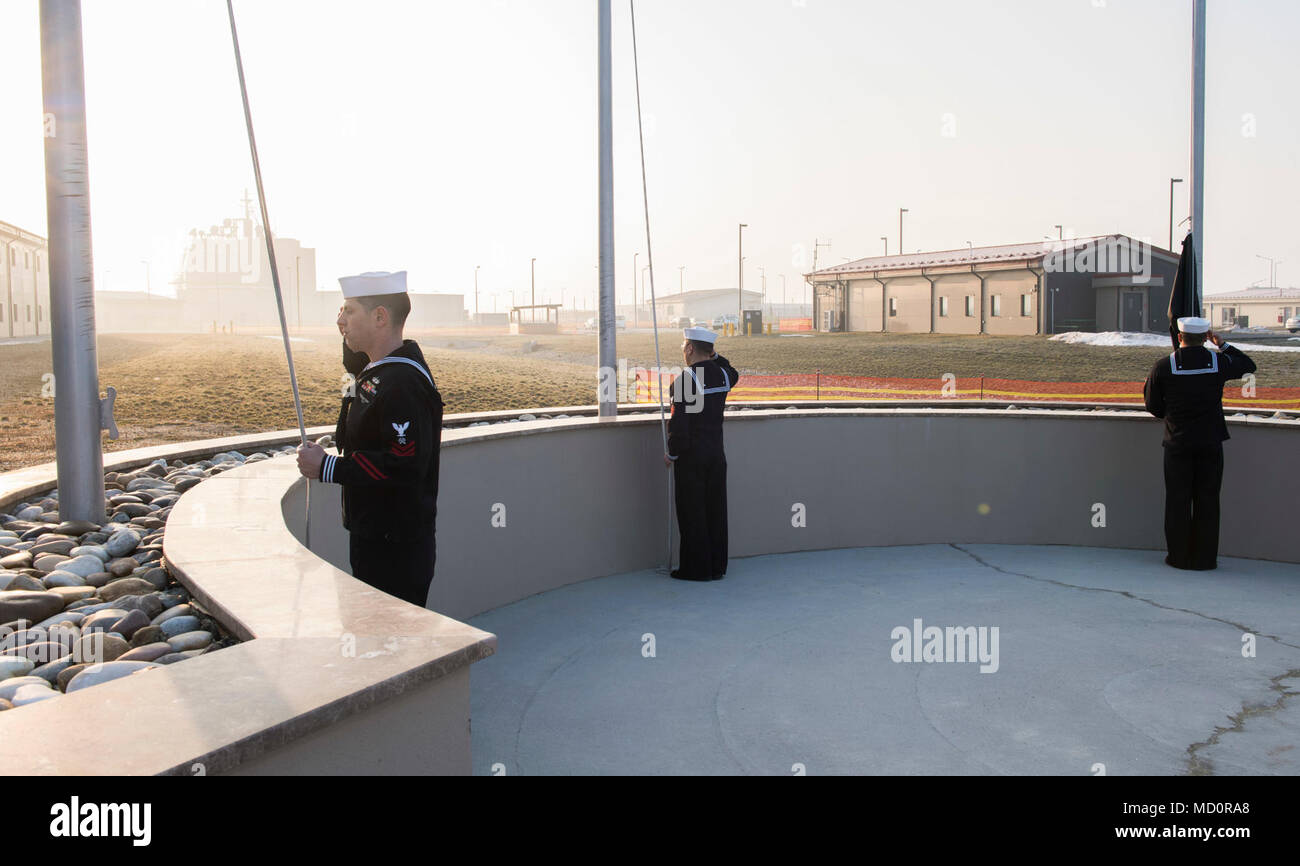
pixel 1185 299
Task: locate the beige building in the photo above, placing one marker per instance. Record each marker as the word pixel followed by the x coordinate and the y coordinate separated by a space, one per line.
pixel 1269 308
pixel 1103 283
pixel 703 305
pixel 24 283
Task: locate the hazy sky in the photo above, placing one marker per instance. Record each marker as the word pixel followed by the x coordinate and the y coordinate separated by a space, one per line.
pixel 436 136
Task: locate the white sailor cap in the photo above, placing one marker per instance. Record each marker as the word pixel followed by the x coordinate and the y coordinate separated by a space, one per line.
pixel 704 335
pixel 1193 325
pixel 374 283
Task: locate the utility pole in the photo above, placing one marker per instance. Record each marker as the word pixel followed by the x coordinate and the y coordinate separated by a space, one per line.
pixel 817 245
pixel 476 267
pixel 901 211
pixel 740 267
pixel 886 240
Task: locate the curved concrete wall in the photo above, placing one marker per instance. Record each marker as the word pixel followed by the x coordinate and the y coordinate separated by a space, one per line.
pixel 335 677
pixel 529 507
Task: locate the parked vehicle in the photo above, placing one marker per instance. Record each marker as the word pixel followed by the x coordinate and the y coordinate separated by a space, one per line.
pixel 724 320
pixel 1293 324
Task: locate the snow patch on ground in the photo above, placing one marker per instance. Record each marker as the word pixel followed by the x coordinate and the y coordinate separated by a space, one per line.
pixel 1116 338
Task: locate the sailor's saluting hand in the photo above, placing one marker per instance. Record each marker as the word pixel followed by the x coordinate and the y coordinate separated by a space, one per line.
pixel 310 458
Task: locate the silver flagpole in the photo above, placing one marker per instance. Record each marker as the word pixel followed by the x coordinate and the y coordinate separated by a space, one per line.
pixel 607 395
pixel 1198 144
pixel 77 412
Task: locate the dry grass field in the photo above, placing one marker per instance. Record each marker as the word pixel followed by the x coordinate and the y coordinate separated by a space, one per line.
pixel 173 388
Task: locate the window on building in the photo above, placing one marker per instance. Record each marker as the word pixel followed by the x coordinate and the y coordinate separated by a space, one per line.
pixel 893 306
pixel 1229 314
pixel 997 305
pixel 1026 305
pixel 970 305
pixel 943 306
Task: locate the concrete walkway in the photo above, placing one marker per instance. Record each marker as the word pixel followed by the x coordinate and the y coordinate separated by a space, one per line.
pixel 1104 657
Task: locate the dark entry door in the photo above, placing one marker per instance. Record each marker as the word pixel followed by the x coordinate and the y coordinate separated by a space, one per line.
pixel 1132 312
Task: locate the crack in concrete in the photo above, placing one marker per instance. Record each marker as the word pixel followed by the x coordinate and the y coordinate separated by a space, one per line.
pixel 1126 594
pixel 1197 765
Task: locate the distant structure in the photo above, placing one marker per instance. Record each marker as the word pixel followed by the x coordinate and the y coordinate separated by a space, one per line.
pixel 24 283
pixel 702 304
pixel 1266 307
pixel 224 285
pixel 1102 283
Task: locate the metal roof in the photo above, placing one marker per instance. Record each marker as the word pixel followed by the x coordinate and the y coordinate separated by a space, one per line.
pixel 1260 294
pixel 976 256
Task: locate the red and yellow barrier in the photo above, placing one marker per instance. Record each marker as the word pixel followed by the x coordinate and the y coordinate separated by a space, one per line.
pixel 813 386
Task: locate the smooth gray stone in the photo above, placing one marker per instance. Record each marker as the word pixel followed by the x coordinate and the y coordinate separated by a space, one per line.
pixel 158 577
pixel 147 635
pixel 70 616
pixel 147 653
pixel 190 640
pixel 122 543
pixel 172 597
pixel 96 550
pixel 48 562
pixel 186 483
pixel 101 620
pixel 170 658
pixel 50 670
pixel 63 578
pixel 33 694
pixel 102 578
pixel 133 509
pixel 31 512
pixel 9 686
pixel 99 647
pixel 76 527
pixel 22 559
pixel 179 625
pixel 171 612
pixel 149 604
pixel 15 666
pixel 82 566
pixel 126 586
pixel 59 545
pixel 130 624
pixel 97 674
pixel 33 606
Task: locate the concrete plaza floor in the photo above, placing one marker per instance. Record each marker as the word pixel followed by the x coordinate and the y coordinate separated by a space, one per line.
pixel 1107 661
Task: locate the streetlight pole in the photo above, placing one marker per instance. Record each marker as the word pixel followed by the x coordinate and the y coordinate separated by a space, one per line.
pixel 901 211
pixel 532 266
pixel 636 315
pixel 740 267
pixel 681 280
pixel 1172 181
pixel 476 267
pixel 886 240
pixel 762 283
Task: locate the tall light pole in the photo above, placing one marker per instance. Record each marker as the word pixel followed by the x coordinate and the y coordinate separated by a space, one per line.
pixel 901 211
pixel 644 268
pixel 1060 233
pixel 476 267
pixel 740 267
pixel 636 318
pixel 532 276
pixel 784 300
pixel 762 284
pixel 681 280
pixel 1172 181
pixel 886 240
